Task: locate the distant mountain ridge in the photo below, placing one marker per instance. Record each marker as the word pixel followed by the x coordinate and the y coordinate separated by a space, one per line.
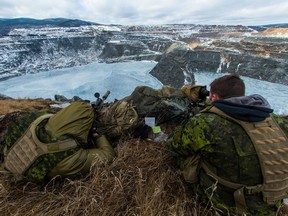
pixel 30 22
pixel 7 24
pixel 65 22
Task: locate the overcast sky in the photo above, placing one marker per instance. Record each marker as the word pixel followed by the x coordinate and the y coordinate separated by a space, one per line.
pixel 130 12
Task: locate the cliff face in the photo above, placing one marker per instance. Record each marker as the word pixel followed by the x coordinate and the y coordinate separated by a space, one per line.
pixel 178 65
pixel 44 54
pixel 255 67
pixel 32 50
pixel 181 50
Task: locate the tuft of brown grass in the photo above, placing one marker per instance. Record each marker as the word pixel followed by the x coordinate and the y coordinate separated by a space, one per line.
pixel 13 105
pixel 142 180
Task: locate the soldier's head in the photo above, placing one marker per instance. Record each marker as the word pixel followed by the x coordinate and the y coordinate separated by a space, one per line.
pixel 226 86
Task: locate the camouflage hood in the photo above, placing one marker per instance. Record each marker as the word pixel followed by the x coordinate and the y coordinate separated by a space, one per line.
pixel 252 108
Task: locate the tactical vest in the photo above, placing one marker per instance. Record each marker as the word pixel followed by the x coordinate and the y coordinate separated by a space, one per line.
pixel 28 148
pixel 271 145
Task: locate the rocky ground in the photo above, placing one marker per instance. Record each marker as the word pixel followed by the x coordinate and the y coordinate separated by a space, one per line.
pixel 270 43
pixel 260 55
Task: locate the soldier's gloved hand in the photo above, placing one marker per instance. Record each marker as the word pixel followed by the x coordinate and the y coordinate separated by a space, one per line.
pixel 195 92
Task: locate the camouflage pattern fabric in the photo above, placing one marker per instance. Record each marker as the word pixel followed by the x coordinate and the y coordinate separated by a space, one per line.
pixel 164 104
pixel 116 119
pixel 13 124
pixel 42 166
pixel 80 162
pixel 226 147
pixel 20 121
pixel 71 162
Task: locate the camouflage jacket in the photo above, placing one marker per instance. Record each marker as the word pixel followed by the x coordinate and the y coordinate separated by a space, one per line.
pixel 76 160
pixel 225 146
pixel 14 130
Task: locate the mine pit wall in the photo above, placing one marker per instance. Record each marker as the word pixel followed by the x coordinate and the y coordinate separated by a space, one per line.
pixel 170 68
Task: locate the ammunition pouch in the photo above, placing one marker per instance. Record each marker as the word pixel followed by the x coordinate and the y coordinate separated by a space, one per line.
pixel 191 168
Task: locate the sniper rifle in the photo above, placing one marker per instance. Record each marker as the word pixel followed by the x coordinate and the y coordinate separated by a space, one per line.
pixel 99 101
pixel 97 106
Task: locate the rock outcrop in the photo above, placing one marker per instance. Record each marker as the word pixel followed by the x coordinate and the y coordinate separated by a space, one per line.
pixel 173 68
pixel 179 62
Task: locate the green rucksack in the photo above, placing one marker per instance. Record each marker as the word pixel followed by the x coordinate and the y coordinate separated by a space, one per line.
pixel 74 121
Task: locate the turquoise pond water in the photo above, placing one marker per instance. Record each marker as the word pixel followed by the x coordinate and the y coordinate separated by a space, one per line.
pixel 120 79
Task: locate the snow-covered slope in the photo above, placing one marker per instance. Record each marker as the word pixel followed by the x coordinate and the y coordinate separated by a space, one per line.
pixel 32 46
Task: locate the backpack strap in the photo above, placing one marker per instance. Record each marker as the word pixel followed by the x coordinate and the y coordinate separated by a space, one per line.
pixel 28 148
pixel 239 189
pixel 271 145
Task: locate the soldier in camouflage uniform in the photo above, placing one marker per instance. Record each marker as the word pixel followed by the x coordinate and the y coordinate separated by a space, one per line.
pixel 67 163
pixel 218 157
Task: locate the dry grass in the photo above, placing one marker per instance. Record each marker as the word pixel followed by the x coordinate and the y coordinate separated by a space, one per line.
pixel 142 180
pixel 12 105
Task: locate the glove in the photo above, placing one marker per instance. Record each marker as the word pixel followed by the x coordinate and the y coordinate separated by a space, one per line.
pixel 195 92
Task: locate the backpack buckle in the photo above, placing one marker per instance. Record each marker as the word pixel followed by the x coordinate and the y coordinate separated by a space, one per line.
pixel 249 190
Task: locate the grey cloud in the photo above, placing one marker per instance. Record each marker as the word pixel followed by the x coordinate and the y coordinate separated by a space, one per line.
pixel 245 12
